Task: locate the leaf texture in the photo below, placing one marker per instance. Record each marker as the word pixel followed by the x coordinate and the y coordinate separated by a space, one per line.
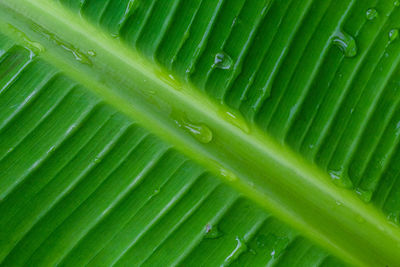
pixel 87 180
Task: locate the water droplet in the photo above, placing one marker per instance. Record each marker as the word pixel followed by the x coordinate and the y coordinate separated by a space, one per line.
pixel 365 195
pixel 222 61
pixel 77 54
pixel 168 79
pixel 199 131
pixel 393 217
pixel 91 53
pixel 396 3
pixel 239 249
pixel 51 149
pixel 393 35
pixel 371 14
pixel 346 44
pixel 236 120
pixel 156 191
pixel 212 232
pixel 228 175
pixel 35 47
pixel 397 129
pixel 339 203
pixel 96 159
pixel 340 178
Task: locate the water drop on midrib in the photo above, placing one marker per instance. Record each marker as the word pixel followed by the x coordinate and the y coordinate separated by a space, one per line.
pixel 346 43
pixel 199 131
pixel 237 120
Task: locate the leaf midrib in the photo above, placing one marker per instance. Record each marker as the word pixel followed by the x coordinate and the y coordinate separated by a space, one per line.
pixel 276 178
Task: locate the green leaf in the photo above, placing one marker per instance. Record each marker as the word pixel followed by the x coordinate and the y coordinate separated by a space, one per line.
pixel 199 133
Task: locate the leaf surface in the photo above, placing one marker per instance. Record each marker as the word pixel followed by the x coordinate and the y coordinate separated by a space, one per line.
pixel 199 133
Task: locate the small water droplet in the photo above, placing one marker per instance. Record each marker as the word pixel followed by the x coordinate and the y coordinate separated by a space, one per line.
pixel 339 203
pixel 236 120
pixel 371 14
pixel 96 159
pixel 346 44
pixel 156 191
pixel 228 175
pixel 51 149
pixel 212 232
pixel 365 195
pixel 168 79
pixel 340 178
pixel 393 217
pixel 397 129
pixel 393 35
pixel 239 249
pixel 91 53
pixel 396 3
pixel 222 61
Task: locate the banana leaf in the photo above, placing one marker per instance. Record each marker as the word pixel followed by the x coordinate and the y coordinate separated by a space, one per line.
pixel 199 133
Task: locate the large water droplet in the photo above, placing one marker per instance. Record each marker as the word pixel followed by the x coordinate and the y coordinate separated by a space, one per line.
pixel 199 131
pixel 346 44
pixel 393 35
pixel 212 232
pixel 371 14
pixel 239 249
pixel 222 61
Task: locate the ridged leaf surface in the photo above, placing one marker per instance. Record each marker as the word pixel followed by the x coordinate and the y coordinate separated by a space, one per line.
pixel 199 133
